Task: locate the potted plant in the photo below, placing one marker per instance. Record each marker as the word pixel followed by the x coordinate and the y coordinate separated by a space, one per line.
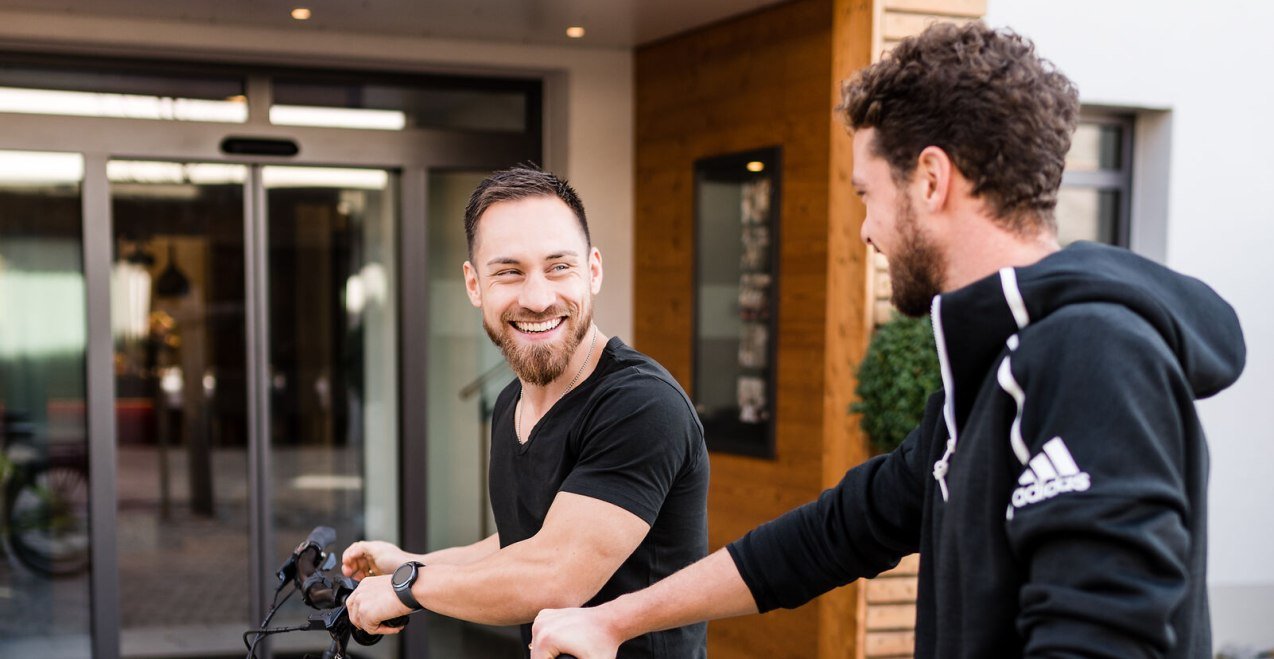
pixel 895 378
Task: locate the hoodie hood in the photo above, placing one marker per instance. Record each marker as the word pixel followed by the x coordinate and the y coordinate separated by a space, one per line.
pixel 976 322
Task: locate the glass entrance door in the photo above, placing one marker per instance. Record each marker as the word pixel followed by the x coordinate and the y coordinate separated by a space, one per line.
pixel 44 532
pixel 224 456
pixel 333 354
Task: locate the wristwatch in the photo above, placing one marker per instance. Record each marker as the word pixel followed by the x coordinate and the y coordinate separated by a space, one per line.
pixel 402 581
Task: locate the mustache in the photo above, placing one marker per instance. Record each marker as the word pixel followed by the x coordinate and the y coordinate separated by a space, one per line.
pixel 528 316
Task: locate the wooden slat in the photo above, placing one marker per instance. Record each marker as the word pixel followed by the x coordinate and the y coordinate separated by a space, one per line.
pixel 891 590
pixel 890 644
pixel 887 617
pixel 898 25
pixel 908 565
pixel 968 8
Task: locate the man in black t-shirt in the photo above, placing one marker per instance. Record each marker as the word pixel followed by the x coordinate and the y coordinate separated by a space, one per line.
pixel 599 473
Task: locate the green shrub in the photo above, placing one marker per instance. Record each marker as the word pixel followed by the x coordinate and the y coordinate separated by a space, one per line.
pixel 896 377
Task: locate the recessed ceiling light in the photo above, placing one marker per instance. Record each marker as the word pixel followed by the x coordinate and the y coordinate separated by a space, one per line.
pixel 756 166
pixel 301 14
pixel 575 31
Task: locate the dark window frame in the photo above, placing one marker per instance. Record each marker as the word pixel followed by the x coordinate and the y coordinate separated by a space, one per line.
pixel 1117 180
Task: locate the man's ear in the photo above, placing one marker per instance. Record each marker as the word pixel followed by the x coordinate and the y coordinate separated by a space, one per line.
pixel 595 270
pixel 471 285
pixel 933 178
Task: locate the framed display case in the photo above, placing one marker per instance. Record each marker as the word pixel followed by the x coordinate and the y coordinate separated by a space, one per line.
pixel 736 299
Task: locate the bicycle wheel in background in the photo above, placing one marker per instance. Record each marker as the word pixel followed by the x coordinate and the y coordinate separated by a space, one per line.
pixel 47 514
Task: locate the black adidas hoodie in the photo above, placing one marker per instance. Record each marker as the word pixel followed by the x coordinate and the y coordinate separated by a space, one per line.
pixel 1057 487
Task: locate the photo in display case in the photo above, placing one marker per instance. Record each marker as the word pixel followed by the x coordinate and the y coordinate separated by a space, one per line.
pixel 736 293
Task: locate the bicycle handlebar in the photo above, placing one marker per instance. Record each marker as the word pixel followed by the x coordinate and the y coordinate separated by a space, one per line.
pixel 305 567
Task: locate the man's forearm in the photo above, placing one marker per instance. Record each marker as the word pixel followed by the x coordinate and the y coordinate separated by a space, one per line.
pixel 707 590
pixel 507 587
pixel 462 555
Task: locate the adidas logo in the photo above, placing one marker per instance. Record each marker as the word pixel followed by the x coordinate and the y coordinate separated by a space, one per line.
pixel 1051 472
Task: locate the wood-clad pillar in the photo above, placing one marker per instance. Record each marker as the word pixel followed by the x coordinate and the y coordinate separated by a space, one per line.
pixel 767 78
pixel 848 324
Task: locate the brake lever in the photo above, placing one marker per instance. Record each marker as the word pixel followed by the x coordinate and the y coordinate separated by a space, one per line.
pixel 397 623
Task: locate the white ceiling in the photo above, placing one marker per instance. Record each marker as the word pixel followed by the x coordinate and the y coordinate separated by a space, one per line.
pixel 608 23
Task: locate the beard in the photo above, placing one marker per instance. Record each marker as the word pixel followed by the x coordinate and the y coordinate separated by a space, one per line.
pixel 540 364
pixel 917 269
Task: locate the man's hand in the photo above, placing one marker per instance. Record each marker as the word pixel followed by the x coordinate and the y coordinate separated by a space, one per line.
pixel 370 558
pixel 373 602
pixel 584 633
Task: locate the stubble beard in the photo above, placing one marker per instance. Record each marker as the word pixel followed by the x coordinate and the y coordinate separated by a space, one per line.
pixel 916 271
pixel 540 365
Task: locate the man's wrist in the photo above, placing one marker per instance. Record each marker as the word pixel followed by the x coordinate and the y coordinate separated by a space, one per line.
pixel 403 582
pixel 618 618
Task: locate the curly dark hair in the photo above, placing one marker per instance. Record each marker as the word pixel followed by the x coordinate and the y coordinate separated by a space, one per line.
pixel 520 182
pixel 1002 114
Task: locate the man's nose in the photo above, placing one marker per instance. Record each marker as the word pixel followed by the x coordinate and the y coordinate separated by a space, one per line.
pixel 536 294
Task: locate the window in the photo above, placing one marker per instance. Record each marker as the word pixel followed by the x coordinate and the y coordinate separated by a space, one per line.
pixel 1093 203
pixel 126 93
pixel 131 89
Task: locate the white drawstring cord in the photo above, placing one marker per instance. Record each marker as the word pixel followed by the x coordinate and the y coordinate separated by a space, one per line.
pixel 941 467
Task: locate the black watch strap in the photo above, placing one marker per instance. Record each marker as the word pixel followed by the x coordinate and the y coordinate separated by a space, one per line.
pixel 402 581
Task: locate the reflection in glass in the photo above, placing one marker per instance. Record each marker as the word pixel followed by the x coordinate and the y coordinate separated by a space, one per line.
pixel 333 360
pixel 177 312
pixel 359 103
pixel 114 93
pixel 1096 146
pixel 1087 214
pixel 44 572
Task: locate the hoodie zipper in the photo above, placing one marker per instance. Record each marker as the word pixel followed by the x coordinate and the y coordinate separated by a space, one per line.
pixel 941 467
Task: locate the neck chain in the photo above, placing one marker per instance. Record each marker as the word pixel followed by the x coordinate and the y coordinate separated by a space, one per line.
pixel 517 417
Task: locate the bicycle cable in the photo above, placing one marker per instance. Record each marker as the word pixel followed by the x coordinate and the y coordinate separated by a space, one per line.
pixel 263 632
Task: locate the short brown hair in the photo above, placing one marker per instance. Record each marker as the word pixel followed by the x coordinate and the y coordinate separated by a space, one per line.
pixel 1003 114
pixel 521 182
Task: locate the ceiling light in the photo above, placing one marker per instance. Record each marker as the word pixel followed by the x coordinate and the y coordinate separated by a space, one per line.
pixel 301 14
pixel 575 31
pixel 756 166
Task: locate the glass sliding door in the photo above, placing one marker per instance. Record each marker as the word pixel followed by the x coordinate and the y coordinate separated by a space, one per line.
pixel 177 317
pixel 181 293
pixel 44 559
pixel 333 352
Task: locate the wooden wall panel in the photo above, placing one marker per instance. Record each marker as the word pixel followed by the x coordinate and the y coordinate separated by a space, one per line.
pixel 751 82
pixel 855 26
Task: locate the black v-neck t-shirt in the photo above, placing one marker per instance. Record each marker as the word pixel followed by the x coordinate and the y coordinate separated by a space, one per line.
pixel 627 435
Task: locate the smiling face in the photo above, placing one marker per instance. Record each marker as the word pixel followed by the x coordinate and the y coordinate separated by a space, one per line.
pixel 916 265
pixel 534 276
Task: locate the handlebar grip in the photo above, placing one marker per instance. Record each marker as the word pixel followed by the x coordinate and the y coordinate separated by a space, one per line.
pixel 400 621
pixel 322 536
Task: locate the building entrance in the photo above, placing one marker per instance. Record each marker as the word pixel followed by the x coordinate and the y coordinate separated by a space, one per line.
pixel 216 339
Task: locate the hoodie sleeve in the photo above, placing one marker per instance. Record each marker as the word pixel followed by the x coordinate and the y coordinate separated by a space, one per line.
pixel 1099 510
pixel 859 528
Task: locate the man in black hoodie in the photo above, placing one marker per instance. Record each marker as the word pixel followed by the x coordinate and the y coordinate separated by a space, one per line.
pixel 1056 488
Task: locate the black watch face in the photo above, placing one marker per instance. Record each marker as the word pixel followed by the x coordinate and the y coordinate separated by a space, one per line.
pixel 403 574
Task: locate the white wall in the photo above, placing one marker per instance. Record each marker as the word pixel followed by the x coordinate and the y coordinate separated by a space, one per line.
pixel 1205 173
pixel 589 136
